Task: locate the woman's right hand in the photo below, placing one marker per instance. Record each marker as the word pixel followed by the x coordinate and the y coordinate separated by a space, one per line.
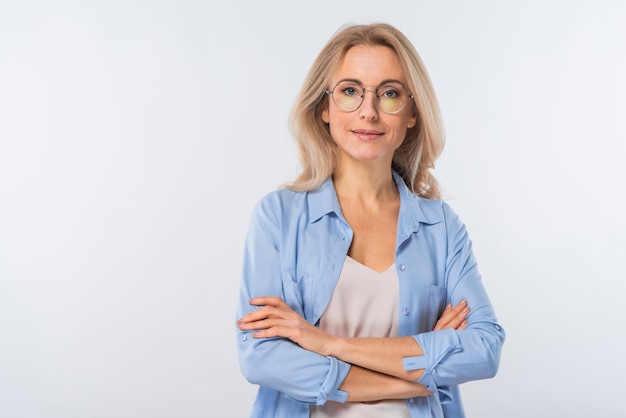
pixel 454 318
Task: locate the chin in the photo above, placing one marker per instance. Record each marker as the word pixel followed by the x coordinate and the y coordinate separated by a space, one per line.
pixel 369 158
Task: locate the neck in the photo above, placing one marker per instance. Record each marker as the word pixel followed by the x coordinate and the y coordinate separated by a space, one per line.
pixel 366 182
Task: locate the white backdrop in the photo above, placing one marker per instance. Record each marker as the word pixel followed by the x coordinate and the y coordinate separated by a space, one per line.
pixel 135 137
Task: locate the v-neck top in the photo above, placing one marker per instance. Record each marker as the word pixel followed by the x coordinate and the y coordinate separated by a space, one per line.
pixel 364 304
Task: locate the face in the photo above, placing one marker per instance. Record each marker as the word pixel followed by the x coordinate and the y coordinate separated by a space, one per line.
pixel 368 134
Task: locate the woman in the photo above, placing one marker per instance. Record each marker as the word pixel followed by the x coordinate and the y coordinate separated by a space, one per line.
pixel 357 280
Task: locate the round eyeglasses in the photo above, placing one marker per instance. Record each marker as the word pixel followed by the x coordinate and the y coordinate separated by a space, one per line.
pixel 390 97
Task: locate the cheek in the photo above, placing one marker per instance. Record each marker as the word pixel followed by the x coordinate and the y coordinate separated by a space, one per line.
pixel 334 134
pixel 333 116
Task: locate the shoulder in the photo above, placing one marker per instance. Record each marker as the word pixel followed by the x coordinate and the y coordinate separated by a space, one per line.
pixel 436 215
pixel 420 209
pixel 432 208
pixel 279 203
pixel 428 211
pixel 436 208
pixel 281 198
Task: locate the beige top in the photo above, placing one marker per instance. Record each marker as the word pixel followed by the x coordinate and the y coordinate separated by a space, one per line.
pixel 364 304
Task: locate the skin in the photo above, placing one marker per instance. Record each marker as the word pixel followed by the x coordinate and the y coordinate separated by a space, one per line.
pixel 366 140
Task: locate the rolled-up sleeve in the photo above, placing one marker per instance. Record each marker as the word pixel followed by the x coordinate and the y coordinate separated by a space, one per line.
pixel 452 357
pixel 278 363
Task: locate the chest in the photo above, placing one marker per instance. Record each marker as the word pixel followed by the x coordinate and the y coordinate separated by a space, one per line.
pixel 374 235
pixel 314 256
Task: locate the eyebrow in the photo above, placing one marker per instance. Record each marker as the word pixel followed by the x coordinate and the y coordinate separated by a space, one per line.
pixel 382 83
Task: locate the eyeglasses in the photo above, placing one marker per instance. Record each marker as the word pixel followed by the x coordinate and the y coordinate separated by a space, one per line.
pixel 349 95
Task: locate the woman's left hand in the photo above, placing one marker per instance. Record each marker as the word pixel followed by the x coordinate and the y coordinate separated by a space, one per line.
pixel 276 319
pixel 454 318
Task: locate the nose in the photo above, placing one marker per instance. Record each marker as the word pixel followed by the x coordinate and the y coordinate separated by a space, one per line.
pixel 369 109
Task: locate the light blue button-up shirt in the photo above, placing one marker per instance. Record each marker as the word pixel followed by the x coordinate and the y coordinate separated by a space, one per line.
pixel 295 249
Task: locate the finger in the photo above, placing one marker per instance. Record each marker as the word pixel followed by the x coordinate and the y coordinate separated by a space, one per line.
pixel 274 301
pixel 267 303
pixel 452 317
pixel 447 310
pixel 444 318
pixel 266 312
pixel 271 327
pixel 267 317
pixel 460 314
pixel 255 316
pixel 276 331
pixel 460 307
pixel 448 315
pixel 259 324
pixel 462 326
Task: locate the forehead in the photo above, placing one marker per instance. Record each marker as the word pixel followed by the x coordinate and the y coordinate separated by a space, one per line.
pixel 370 65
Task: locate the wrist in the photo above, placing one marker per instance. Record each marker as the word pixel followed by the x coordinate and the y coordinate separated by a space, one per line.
pixel 335 346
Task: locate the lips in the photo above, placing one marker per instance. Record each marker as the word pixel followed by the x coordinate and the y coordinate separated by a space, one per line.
pixel 367 134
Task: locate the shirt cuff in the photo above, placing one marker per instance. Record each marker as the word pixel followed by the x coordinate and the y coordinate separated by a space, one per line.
pixel 436 346
pixel 330 386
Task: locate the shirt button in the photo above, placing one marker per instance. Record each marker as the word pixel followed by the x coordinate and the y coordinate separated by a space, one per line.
pixel 402 267
pixel 411 401
pixel 244 337
pixel 405 311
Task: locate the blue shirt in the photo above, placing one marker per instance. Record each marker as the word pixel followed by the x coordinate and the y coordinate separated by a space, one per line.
pixel 295 249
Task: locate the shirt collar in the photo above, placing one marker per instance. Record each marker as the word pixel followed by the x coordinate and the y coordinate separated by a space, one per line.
pixel 414 210
pixel 323 201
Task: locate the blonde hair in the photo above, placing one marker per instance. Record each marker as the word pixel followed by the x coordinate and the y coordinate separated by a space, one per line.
pixel 317 150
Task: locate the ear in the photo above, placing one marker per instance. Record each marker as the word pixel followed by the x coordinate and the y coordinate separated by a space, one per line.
pixel 325 117
pixel 413 120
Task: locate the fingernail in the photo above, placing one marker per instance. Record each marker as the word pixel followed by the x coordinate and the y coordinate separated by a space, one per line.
pixel 463 302
pixel 466 310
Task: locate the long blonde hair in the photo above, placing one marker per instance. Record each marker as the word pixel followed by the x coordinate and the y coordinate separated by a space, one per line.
pixel 317 151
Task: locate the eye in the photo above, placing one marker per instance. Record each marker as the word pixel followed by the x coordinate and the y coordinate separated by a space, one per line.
pixel 390 92
pixel 350 90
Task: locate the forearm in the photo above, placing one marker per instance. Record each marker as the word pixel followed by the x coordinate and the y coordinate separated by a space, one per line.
pixel 363 385
pixel 387 355
pixel 438 358
pixel 383 355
